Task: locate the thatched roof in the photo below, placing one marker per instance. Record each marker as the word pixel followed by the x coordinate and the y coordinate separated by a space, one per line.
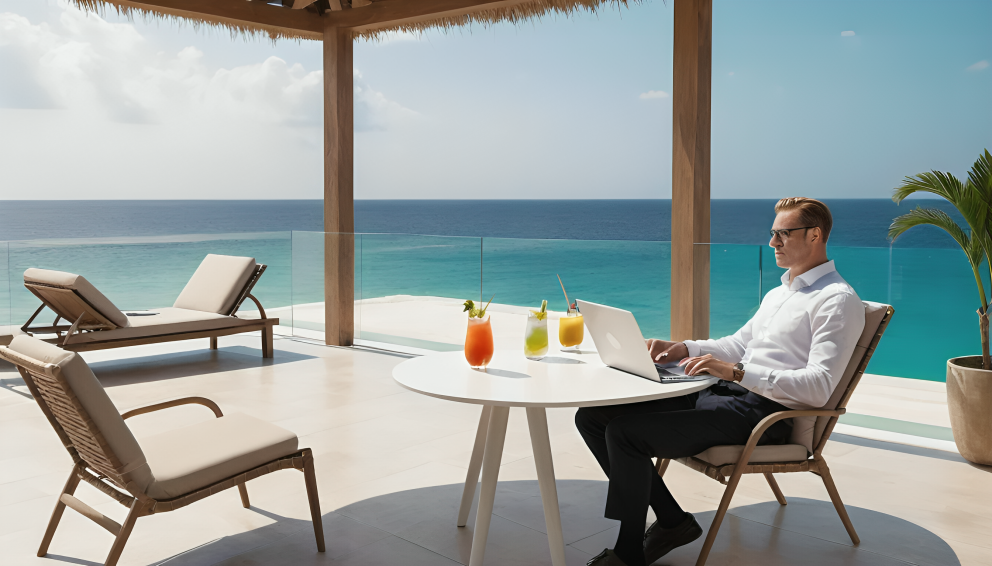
pixel 306 19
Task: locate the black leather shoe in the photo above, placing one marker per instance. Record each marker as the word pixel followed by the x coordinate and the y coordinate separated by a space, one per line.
pixel 659 542
pixel 606 558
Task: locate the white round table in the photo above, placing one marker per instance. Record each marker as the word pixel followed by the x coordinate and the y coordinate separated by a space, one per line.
pixel 511 380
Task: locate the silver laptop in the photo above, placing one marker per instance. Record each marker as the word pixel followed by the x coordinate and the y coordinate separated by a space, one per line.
pixel 621 344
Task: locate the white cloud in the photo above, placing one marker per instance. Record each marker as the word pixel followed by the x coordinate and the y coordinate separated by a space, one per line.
pixel 91 108
pixel 653 94
pixel 730 74
pixel 87 64
pixel 847 34
pixel 979 66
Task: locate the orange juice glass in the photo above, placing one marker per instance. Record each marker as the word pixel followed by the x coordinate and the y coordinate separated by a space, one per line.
pixel 479 342
pixel 570 330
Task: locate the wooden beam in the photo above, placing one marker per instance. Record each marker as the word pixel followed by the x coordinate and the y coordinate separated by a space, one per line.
pixel 692 76
pixel 386 13
pixel 339 208
pixel 237 12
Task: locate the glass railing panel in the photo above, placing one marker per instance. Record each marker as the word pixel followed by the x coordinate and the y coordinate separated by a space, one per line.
pixel 308 279
pixel 935 297
pixel 632 275
pixel 144 273
pixel 413 287
pixel 4 289
pixel 735 285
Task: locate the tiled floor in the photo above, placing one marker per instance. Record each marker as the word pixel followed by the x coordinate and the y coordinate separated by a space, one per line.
pixel 389 464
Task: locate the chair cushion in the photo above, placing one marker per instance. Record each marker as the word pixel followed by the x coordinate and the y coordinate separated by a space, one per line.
pixel 94 400
pixel 216 284
pixel 79 284
pixel 8 333
pixel 721 455
pixel 163 321
pixel 193 457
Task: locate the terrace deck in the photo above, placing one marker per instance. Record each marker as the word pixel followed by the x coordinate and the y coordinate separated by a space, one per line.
pixel 389 463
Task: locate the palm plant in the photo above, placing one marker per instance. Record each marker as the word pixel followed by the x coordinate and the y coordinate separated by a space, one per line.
pixel 973 199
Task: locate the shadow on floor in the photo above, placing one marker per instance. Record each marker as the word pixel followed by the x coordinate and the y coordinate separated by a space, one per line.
pixel 417 527
pixel 185 364
pixel 896 447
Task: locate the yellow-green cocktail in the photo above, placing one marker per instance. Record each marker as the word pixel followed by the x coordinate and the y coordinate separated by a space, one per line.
pixel 536 333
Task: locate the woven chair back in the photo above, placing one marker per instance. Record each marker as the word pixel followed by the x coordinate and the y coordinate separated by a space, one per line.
pixel 74 426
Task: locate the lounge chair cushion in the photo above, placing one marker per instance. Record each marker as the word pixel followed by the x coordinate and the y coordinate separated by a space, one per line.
pixel 187 459
pixel 721 455
pixel 216 284
pixel 85 289
pixel 94 400
pixel 8 333
pixel 160 322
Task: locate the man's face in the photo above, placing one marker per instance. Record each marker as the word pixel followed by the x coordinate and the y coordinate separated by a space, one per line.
pixel 796 248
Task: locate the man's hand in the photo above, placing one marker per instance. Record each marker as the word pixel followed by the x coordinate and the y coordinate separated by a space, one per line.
pixel 709 364
pixel 664 352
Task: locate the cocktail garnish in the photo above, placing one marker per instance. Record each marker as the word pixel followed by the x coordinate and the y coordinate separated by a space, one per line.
pixel 474 312
pixel 543 312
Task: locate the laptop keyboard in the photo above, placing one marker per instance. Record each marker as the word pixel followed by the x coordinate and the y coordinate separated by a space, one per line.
pixel 669 377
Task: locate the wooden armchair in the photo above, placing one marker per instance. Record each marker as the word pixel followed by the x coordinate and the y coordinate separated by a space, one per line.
pixel 161 473
pixel 811 429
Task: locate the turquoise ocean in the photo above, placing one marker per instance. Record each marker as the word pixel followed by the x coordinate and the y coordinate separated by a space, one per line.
pixel 141 253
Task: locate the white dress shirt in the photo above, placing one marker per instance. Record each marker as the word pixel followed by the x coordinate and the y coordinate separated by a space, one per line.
pixel 796 347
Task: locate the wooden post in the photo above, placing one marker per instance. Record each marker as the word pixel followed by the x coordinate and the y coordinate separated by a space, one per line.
pixel 692 71
pixel 339 209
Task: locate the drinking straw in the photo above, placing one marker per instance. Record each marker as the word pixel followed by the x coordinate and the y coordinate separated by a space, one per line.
pixel 567 302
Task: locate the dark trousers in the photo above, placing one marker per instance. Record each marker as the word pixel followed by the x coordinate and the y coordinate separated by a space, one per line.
pixel 624 438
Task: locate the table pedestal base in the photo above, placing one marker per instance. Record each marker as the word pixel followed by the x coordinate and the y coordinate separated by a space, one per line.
pixel 487 454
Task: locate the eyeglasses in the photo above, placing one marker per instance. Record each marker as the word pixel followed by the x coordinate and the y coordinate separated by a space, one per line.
pixel 783 234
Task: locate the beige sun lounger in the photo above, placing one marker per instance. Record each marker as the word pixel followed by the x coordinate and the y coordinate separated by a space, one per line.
pixel 159 473
pixel 810 432
pixel 205 309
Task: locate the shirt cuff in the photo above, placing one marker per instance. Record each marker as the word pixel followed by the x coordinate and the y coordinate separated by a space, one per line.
pixel 693 348
pixel 756 378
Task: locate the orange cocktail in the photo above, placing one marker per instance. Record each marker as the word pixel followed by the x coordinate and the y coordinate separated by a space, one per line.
pixel 479 342
pixel 570 330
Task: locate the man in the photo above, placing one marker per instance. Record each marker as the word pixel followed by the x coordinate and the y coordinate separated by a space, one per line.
pixel 791 355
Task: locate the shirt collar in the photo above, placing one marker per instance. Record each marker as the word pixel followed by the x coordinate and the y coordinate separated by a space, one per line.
pixel 806 279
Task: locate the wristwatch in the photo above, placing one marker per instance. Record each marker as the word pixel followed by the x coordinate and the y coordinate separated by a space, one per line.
pixel 738 372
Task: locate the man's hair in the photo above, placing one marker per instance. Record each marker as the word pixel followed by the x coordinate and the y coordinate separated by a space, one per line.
pixel 811 213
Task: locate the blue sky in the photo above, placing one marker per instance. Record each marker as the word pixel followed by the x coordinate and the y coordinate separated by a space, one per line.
pixel 560 108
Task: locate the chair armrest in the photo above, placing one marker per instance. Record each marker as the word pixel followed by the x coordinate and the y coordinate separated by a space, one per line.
pixel 773 418
pixel 261 311
pixel 175 403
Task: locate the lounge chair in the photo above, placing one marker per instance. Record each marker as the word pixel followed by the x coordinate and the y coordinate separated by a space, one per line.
pixel 159 473
pixel 810 432
pixel 205 309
